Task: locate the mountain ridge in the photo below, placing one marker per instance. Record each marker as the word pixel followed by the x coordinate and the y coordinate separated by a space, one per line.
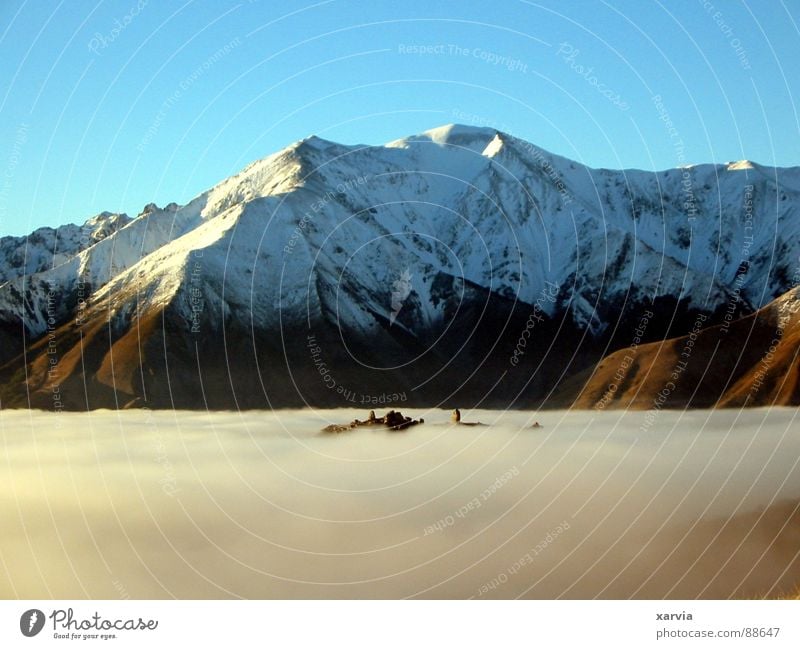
pixel 315 237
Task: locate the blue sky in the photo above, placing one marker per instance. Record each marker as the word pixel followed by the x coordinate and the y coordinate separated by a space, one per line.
pixel 112 105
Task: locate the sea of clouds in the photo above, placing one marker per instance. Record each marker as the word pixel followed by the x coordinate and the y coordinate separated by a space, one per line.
pixel 145 504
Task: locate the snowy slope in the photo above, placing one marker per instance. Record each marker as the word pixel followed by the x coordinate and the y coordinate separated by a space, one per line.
pixel 47 247
pixel 26 298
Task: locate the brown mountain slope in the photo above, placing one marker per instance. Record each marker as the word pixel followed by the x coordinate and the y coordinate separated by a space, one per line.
pixel 752 361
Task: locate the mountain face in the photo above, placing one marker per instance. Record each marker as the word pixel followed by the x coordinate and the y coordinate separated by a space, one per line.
pixel 461 266
pixel 750 361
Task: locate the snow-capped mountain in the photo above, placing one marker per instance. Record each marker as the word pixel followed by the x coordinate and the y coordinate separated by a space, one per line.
pixel 418 267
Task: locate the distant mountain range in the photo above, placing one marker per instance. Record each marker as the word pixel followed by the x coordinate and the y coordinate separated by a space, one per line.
pixel 458 267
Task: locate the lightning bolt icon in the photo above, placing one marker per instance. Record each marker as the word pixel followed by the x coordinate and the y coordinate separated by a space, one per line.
pixel 32 620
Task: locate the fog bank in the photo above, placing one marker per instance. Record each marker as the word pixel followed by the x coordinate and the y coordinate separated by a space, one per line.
pixel 260 504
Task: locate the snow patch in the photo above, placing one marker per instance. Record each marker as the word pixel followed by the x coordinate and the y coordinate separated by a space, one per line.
pixel 739 165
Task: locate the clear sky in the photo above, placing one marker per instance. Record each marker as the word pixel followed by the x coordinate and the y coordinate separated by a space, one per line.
pixel 109 105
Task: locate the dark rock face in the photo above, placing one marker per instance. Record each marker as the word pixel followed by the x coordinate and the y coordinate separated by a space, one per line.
pixel 487 351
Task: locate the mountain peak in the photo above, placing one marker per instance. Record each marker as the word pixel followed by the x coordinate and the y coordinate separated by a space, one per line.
pixel 475 138
pixel 450 132
pixel 105 223
pixel 315 142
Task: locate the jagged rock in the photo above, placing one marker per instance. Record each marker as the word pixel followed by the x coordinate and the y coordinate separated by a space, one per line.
pixel 392 420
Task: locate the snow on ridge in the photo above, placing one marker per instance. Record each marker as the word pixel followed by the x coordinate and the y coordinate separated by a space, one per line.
pixel 47 248
pixel 87 271
pixel 494 147
pixel 474 138
pixel 279 173
pixel 739 165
